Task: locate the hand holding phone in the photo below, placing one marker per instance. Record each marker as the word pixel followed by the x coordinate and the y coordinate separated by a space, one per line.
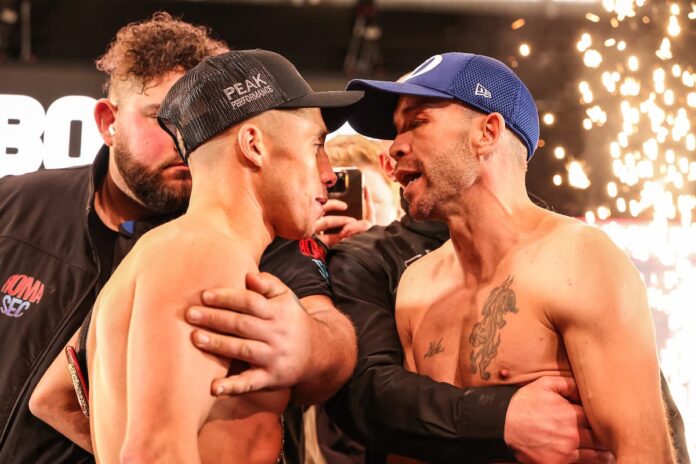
pixel 349 189
pixel 79 380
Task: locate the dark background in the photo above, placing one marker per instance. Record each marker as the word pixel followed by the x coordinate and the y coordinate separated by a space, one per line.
pixel 67 35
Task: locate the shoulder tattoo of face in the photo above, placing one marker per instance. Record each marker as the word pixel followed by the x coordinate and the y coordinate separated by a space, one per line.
pixel 485 336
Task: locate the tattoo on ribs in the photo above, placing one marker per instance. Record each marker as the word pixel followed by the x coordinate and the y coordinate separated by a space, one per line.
pixel 485 336
pixel 434 348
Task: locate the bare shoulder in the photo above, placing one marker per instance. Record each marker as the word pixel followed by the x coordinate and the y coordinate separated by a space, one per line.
pixel 577 242
pixel 202 256
pixel 430 265
pixel 424 279
pixel 586 274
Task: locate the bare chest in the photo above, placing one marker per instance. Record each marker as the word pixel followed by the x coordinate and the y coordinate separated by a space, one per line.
pixel 492 335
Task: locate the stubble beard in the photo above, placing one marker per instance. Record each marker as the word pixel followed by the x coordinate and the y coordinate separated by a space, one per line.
pixel 148 186
pixel 452 172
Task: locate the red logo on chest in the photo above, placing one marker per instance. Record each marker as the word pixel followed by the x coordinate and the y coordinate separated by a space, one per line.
pixel 309 247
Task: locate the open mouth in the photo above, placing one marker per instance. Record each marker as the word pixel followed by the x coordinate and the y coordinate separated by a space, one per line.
pixel 406 177
pixel 322 200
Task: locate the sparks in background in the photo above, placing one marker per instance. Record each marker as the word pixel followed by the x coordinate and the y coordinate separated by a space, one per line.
pixel 638 74
pixel 638 97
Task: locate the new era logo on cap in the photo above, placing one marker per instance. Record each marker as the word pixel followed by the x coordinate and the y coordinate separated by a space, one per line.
pixel 481 90
pixel 481 82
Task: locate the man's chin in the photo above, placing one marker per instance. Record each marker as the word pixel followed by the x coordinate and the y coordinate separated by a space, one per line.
pixel 295 231
pixel 418 212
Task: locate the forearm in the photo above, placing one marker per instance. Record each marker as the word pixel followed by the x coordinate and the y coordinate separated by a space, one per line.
pixel 395 411
pixel 54 401
pixel 333 354
pixel 676 424
pixel 67 419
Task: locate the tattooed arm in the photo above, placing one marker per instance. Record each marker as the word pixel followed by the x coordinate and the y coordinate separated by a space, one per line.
pixel 599 304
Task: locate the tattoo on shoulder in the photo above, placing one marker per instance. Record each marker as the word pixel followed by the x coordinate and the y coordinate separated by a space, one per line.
pixel 434 348
pixel 485 336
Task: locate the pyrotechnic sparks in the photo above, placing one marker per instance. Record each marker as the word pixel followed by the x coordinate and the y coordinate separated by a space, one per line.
pixel 576 175
pixel 654 102
pixel 644 80
pixel 517 24
pixel 525 50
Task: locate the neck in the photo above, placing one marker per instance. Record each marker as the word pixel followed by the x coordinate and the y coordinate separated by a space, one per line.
pixel 113 206
pixel 226 201
pixel 486 226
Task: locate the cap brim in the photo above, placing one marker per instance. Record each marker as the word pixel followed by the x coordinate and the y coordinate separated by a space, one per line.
pixel 373 116
pixel 335 106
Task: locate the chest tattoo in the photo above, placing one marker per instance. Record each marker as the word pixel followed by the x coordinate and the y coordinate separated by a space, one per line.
pixel 485 337
pixel 434 348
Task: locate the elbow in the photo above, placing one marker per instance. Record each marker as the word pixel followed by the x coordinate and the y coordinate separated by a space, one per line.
pixel 40 403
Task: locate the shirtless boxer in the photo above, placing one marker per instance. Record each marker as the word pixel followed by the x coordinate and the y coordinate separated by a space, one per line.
pixel 518 292
pixel 253 134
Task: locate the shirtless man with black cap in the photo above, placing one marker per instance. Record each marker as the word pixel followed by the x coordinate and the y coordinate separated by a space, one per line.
pixel 519 292
pixel 252 132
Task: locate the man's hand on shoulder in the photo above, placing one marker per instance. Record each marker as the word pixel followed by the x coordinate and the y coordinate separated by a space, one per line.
pixel 264 325
pixel 544 426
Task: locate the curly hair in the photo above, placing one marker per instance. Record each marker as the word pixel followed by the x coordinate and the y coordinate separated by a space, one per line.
pixel 149 49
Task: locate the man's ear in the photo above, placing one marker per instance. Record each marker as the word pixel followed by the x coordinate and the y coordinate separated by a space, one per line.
pixel 386 162
pixel 105 117
pixel 251 143
pixel 488 134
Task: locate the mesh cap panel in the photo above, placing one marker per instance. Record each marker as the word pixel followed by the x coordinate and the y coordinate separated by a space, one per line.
pixel 479 81
pixel 226 89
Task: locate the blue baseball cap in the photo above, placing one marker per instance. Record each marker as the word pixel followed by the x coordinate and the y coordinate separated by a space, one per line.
pixel 483 83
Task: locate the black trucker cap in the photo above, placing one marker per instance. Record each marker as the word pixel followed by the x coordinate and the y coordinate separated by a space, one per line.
pixel 226 89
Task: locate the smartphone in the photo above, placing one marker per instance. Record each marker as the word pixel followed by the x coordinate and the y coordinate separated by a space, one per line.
pixel 78 380
pixel 348 188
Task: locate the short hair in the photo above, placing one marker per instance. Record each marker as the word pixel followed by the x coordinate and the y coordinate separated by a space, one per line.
pixel 353 150
pixel 149 49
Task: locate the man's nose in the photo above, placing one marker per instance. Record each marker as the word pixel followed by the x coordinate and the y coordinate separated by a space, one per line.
pixel 399 148
pixel 326 174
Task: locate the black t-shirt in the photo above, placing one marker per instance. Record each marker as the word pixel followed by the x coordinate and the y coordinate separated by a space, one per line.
pixel 301 265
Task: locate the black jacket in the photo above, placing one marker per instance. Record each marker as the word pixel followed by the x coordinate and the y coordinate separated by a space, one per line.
pixel 394 411
pixel 50 273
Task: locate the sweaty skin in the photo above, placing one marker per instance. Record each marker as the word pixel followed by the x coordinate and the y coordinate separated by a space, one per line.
pixel 520 292
pixel 538 315
pixel 148 291
pixel 151 399
pixel 469 336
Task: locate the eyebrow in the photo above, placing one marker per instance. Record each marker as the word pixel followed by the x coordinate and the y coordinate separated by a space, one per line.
pixel 412 108
pixel 152 107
